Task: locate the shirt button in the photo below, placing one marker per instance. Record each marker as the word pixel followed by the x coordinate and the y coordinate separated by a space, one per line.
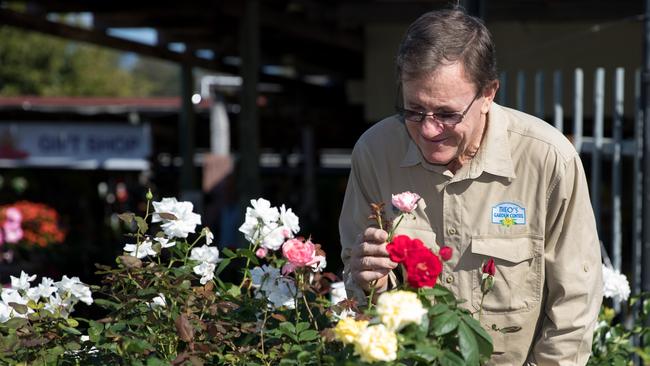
pixel 586 268
pixel 451 231
pixel 449 279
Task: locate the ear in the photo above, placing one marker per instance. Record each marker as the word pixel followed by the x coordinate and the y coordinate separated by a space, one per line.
pixel 489 93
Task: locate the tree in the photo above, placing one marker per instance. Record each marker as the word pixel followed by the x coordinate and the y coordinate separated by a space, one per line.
pixel 36 64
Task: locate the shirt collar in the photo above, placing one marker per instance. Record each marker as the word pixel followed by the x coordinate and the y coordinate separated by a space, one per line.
pixel 493 157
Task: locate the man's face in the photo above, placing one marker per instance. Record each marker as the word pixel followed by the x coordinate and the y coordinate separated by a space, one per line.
pixel 446 90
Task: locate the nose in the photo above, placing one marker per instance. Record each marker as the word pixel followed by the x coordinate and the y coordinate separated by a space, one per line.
pixel 430 127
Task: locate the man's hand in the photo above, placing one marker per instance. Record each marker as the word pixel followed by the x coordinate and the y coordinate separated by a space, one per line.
pixel 370 261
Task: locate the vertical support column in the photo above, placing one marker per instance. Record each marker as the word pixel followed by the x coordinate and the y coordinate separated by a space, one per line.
pixel 539 94
pixel 521 91
pixel 645 100
pixel 503 88
pixel 558 111
pixel 186 134
pixel 599 116
pixel 617 134
pixel 637 223
pixel 248 125
pixel 578 97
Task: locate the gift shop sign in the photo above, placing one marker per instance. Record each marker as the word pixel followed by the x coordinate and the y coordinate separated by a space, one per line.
pixel 75 145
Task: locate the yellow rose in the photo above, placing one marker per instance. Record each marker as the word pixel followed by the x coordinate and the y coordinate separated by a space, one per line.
pixel 376 343
pixel 397 309
pixel 347 329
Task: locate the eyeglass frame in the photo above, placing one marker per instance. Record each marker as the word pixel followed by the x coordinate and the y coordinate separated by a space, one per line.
pixel 422 116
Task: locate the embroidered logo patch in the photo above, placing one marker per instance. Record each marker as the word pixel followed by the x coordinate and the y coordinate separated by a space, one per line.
pixel 508 214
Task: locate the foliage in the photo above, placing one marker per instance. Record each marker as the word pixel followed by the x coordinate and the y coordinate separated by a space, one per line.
pixel 165 303
pixel 613 340
pixel 36 64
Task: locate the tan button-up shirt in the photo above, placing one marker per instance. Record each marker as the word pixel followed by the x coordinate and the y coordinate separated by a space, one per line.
pixel 522 200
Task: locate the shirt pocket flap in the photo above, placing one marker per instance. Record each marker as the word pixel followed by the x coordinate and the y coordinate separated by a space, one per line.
pixel 510 249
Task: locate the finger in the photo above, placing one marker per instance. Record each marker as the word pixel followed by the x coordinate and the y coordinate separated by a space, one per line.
pixel 372 264
pixel 374 235
pixel 370 250
pixel 364 278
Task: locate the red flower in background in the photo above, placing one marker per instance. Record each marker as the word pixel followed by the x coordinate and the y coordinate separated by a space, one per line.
pixel 422 266
pixel 40 223
pixel 446 253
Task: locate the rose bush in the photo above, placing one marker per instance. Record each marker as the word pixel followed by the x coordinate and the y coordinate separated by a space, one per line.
pixel 164 302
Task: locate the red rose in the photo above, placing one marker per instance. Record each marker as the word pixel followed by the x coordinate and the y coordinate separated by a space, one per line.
pixel 489 267
pixel 400 248
pixel 422 268
pixel 445 253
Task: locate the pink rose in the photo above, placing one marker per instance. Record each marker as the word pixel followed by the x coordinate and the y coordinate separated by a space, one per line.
pixel 406 201
pixel 261 252
pixel 13 232
pixel 13 215
pixel 297 252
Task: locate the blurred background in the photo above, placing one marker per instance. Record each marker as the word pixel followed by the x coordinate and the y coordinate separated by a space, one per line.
pixel 222 101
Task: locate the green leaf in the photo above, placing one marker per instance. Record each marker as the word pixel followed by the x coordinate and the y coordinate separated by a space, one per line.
pixel 228 253
pixel 438 309
pixel 142 225
pixel 15 323
pixel 72 322
pixel 444 323
pixel 137 345
pixel 222 265
pixel 20 308
pixel 167 216
pixel 302 326
pixel 234 291
pixel 468 344
pixel 309 335
pixel 146 292
pixel 304 356
pixel 127 217
pixel 69 329
pixel 248 254
pixel 476 327
pixel 108 304
pixel 155 361
pixel 427 351
pixel 451 359
pixel 72 346
pixel 483 338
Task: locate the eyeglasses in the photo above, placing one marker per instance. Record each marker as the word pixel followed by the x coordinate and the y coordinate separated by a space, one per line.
pixel 447 118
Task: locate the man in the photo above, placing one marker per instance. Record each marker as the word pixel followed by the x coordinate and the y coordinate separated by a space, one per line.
pixel 495 183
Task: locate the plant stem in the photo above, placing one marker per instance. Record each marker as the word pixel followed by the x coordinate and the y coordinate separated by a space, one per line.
pixel 262 334
pixel 311 315
pixel 371 296
pixel 480 308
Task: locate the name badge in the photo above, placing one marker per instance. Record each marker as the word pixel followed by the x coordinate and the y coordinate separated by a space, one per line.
pixel 508 214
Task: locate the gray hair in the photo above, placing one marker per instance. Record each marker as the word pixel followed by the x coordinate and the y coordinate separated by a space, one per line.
pixel 445 36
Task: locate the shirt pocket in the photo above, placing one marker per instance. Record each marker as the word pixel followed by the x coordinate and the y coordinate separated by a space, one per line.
pixel 519 272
